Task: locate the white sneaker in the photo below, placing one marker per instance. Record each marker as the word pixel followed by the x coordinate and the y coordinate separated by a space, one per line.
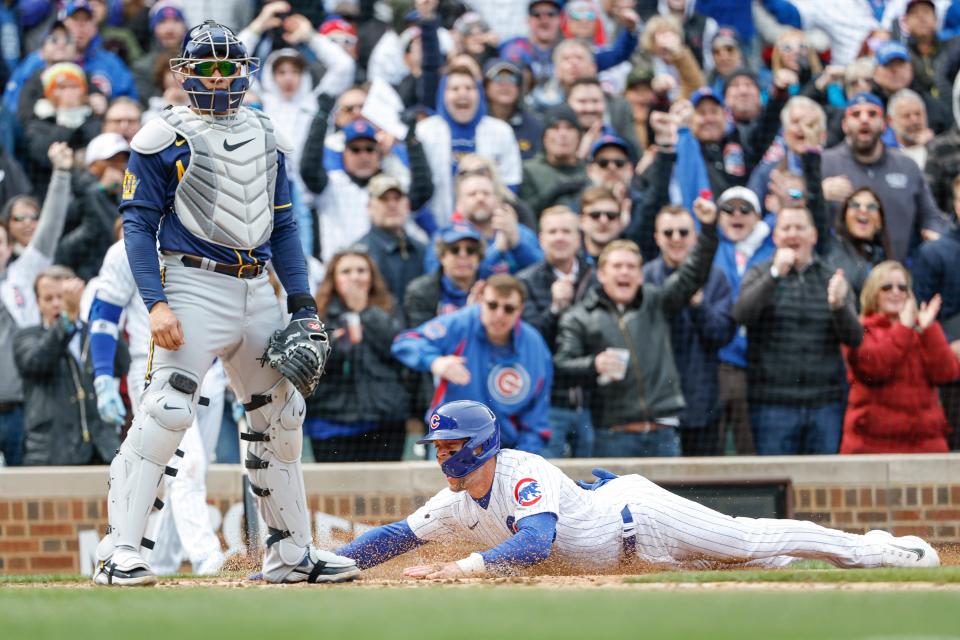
pixel 323 566
pixel 905 551
pixel 124 568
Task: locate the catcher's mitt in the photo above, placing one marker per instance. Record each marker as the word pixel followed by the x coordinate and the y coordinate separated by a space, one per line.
pixel 299 353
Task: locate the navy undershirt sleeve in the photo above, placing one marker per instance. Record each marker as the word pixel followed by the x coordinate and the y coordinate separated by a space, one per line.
pixel 531 544
pixel 140 225
pixel 381 544
pixel 285 245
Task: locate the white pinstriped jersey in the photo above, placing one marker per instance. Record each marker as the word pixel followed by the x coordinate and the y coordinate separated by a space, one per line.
pixel 589 524
pixel 115 284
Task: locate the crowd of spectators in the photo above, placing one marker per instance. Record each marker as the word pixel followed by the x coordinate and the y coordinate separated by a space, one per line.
pixel 630 227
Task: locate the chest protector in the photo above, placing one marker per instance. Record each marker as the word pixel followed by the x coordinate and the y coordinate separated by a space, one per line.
pixel 226 194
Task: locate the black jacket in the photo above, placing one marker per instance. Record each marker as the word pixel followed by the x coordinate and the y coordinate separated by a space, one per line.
pixel 421 299
pixel 61 422
pixel 399 258
pixel 83 248
pixel 538 279
pixel 651 388
pixel 794 338
pixel 362 381
pixel 730 161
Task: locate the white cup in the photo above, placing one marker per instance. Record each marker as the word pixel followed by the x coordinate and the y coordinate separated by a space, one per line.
pixel 354 327
pixel 623 355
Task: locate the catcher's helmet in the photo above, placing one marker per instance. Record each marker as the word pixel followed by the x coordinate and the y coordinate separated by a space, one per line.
pixel 207 47
pixel 470 421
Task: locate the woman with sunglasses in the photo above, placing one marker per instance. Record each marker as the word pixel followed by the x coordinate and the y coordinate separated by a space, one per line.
pixel 859 241
pixel 793 51
pixel 893 405
pixel 358 413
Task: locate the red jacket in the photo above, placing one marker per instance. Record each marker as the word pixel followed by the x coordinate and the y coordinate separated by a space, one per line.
pixel 893 405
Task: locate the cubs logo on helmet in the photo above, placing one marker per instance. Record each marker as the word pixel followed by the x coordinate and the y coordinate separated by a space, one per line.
pixel 527 492
pixel 434 421
pixel 508 384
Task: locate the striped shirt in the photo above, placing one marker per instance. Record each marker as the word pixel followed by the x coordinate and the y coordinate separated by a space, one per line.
pixel 589 524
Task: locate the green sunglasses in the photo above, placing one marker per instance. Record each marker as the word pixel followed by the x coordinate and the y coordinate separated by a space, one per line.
pixel 207 68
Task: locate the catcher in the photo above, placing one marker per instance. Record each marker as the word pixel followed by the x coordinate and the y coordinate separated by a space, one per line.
pixel 208 182
pixel 521 509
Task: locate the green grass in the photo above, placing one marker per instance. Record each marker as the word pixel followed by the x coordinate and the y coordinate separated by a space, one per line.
pixel 487 612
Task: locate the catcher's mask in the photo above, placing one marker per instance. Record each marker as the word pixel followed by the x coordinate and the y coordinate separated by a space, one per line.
pixel 206 49
pixel 470 421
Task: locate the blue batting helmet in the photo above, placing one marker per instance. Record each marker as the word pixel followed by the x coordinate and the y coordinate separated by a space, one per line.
pixel 470 421
pixel 207 48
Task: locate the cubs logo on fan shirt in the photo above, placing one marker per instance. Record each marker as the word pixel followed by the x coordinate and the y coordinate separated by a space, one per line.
pixel 513 380
pixel 508 384
pixel 527 492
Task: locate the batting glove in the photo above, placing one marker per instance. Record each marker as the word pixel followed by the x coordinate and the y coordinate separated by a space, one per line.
pixel 603 477
pixel 109 404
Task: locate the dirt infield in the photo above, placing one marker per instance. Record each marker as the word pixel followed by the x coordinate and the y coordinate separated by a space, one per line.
pixel 549 575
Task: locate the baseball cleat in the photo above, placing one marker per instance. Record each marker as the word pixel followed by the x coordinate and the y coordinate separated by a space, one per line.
pixel 905 551
pixel 108 574
pixel 323 566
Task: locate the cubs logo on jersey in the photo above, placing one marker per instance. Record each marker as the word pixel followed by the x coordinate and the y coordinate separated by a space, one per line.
pixel 508 384
pixel 527 492
pixel 434 330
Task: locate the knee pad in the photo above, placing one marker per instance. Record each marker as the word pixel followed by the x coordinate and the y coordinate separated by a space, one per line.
pixel 281 412
pixel 166 411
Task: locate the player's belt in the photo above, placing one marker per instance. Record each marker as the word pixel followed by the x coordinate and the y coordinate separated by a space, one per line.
pixel 637 427
pixel 244 271
pixel 629 533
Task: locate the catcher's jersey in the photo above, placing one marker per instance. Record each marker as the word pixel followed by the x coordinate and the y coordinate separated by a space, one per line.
pixel 115 284
pixel 589 524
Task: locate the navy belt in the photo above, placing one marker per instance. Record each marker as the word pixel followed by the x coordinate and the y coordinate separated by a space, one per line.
pixel 630 541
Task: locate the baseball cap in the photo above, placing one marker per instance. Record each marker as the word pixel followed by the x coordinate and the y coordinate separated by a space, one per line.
pixel 382 183
pixel 104 147
pixel 740 193
pixel 705 93
pixel 742 72
pixel 609 140
pixel 460 231
pixel 865 98
pixel 338 29
pixel 469 22
pixel 165 11
pixel 359 129
pixel 725 36
pixel 912 3
pixel 557 3
pixel 75 5
pixel 496 66
pixel 560 113
pixel 891 50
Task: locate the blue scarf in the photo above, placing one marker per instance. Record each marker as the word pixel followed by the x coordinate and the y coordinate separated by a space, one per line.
pixel 463 135
pixel 689 173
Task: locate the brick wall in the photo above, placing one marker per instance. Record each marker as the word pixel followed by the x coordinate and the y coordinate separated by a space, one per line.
pixel 44 510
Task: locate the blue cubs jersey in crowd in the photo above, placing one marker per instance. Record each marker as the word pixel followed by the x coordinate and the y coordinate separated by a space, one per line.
pixel 513 380
pixel 153 178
